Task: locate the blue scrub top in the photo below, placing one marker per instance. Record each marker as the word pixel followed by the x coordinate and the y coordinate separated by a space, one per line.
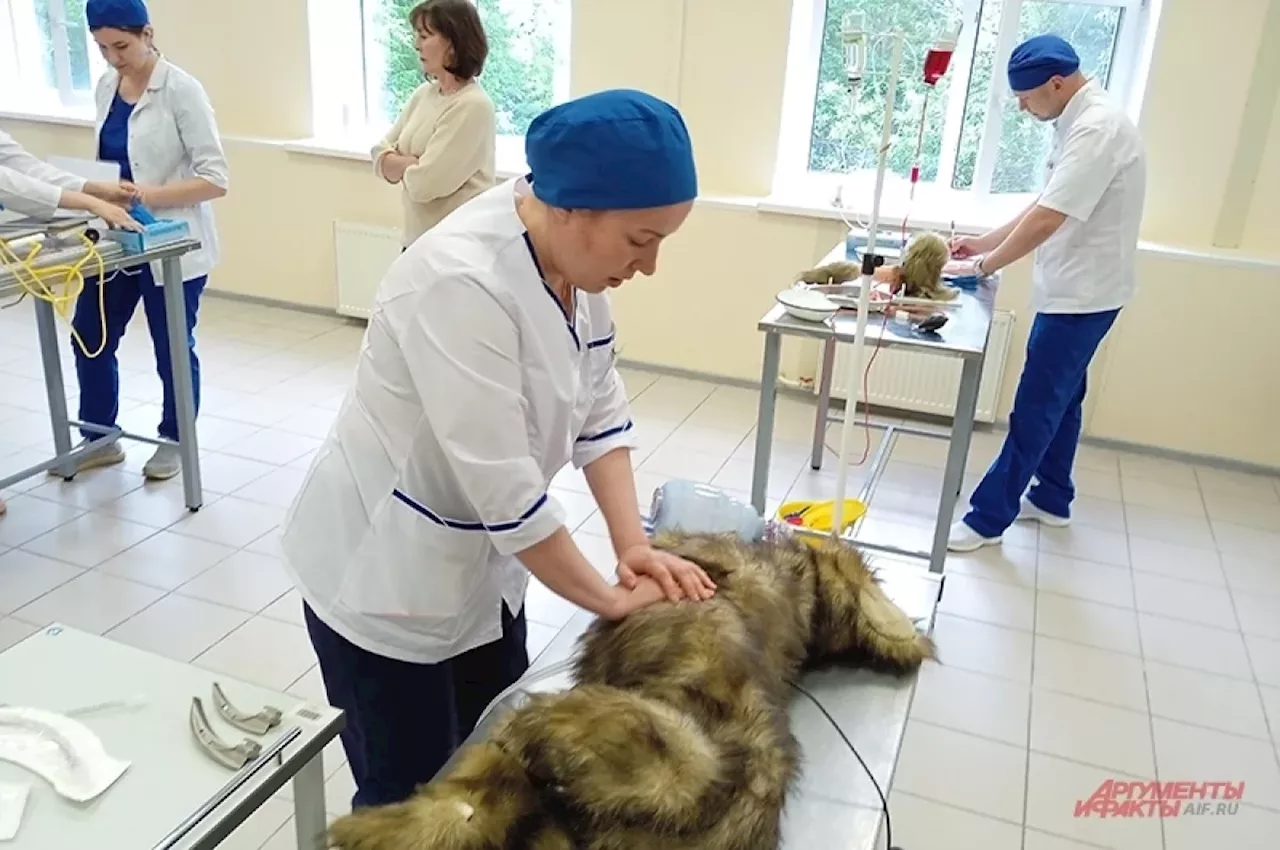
pixel 113 140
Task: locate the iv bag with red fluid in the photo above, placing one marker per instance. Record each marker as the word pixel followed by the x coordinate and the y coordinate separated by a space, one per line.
pixel 938 60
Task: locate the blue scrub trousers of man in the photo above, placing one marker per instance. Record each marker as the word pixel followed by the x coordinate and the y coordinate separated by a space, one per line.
pixel 405 720
pixel 100 376
pixel 1044 425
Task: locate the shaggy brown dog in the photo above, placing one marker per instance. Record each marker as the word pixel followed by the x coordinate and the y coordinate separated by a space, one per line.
pixel 918 276
pixel 675 735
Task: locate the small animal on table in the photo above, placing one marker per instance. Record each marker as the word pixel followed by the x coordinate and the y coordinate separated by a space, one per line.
pixel 918 276
pixel 831 274
pixel 676 734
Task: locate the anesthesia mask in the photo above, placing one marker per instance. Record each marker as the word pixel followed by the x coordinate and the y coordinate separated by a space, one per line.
pixel 702 509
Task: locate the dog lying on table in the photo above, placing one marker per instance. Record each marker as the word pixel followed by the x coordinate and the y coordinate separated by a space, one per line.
pixel 675 735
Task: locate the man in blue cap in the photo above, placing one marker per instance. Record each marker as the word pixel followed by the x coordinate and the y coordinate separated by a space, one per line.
pixel 1083 230
pixel 488 367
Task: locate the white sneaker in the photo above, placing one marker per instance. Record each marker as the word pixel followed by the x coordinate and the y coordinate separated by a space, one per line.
pixel 107 455
pixel 1030 512
pixel 965 539
pixel 164 464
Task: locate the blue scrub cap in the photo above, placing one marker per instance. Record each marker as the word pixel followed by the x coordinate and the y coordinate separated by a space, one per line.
pixel 1038 59
pixel 117 14
pixel 612 150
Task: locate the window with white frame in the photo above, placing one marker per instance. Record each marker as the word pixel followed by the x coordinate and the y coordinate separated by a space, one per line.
pixel 365 67
pixel 48 60
pixel 974 137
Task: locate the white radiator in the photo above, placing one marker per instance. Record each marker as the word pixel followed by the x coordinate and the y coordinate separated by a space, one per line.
pixel 909 380
pixel 362 255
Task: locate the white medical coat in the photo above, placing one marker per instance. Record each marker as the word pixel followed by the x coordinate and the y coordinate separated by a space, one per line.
pixel 29 185
pixel 472 390
pixel 173 136
pixel 1097 178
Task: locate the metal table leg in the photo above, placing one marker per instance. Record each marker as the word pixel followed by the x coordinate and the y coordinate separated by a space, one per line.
pixel 175 310
pixel 764 422
pixel 47 330
pixel 309 818
pixel 957 456
pixel 824 402
pixel 965 437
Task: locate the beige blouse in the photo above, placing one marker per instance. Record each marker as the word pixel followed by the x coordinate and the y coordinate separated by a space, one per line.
pixel 453 137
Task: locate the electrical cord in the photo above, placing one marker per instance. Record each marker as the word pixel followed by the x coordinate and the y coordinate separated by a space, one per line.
pixel 884 803
pixel 852 409
pixel 33 281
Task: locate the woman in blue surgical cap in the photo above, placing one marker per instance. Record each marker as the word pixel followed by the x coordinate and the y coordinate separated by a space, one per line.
pixel 487 367
pixel 155 121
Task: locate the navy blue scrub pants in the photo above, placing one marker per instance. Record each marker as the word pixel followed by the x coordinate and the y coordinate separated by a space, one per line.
pixel 405 720
pixel 1044 425
pixel 100 376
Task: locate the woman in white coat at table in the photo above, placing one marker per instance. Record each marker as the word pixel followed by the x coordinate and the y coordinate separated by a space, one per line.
pixel 441 148
pixel 32 187
pixel 487 367
pixel 155 121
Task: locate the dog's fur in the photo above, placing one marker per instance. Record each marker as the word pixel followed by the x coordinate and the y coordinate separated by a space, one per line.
pixel 918 276
pixel 675 735
pixel 922 266
pixel 831 273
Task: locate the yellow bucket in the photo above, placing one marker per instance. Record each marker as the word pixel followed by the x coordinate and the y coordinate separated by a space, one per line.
pixel 820 516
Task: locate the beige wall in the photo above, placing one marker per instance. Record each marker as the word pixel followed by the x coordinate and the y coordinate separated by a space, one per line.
pixel 1190 366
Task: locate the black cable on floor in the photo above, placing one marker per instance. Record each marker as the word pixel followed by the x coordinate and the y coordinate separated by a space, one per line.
pixel 884 803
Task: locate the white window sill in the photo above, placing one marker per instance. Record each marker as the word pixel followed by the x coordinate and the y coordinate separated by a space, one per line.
pixel 42 112
pixel 931 210
pixel 940 210
pixel 933 207
pixel 509 151
pixel 1218 257
pixel 332 148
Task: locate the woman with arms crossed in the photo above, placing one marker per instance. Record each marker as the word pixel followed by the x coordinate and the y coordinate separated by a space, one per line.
pixel 441 149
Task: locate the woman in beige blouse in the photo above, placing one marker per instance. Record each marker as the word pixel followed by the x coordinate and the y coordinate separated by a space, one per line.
pixel 441 148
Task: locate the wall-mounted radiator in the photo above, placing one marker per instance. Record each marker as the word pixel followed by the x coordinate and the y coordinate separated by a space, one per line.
pixel 362 255
pixel 914 381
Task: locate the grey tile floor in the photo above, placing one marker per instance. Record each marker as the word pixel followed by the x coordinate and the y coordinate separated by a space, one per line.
pixel 1141 642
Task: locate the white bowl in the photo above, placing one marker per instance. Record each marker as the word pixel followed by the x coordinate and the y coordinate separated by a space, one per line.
pixel 807 305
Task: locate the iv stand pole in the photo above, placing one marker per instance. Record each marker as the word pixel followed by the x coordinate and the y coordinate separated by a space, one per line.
pixel 864 293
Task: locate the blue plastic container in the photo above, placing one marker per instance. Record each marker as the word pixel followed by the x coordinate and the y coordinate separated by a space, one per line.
pixel 159 232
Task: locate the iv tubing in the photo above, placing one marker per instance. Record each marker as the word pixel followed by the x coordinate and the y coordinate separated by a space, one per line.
pixel 915 163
